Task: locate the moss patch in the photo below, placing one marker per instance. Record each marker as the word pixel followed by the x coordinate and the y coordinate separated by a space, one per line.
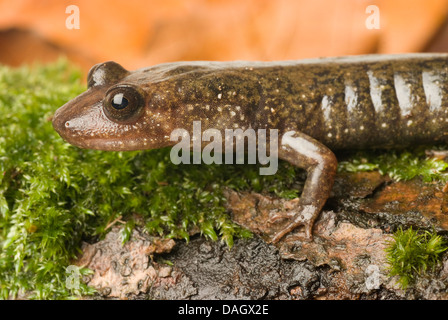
pixel 412 253
pixel 399 165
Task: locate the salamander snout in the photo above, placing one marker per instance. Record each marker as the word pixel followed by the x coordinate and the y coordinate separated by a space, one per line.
pixel 81 121
pixel 58 121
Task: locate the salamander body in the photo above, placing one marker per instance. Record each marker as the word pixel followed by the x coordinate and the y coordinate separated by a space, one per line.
pixel 317 106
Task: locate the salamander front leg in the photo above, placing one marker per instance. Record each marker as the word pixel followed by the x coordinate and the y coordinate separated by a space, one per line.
pixel 320 164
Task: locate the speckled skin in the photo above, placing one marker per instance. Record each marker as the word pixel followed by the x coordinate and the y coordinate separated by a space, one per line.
pixel 317 106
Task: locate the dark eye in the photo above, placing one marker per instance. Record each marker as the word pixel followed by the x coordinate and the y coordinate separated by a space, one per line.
pixel 119 101
pixel 123 103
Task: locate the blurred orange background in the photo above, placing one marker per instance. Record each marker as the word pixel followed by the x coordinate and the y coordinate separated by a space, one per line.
pixel 142 33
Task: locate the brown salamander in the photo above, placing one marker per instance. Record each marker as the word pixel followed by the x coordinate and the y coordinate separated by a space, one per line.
pixel 316 105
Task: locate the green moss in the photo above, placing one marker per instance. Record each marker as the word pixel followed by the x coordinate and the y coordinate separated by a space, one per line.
pixel 399 165
pixel 412 253
pixel 54 195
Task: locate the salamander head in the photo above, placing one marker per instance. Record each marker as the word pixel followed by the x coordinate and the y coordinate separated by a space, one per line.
pixel 114 113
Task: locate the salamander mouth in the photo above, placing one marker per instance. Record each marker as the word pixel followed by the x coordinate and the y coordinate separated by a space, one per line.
pixel 87 132
pixel 59 123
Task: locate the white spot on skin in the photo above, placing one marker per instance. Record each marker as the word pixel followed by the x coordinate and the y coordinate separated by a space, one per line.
pixel 375 92
pixel 433 91
pixel 351 98
pixel 302 146
pixel 384 125
pixel 326 108
pixel 330 135
pixel 409 123
pixel 361 128
pixel 220 96
pixel 404 95
pixel 98 77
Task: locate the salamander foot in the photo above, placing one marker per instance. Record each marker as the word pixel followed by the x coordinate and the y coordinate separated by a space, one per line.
pixel 300 216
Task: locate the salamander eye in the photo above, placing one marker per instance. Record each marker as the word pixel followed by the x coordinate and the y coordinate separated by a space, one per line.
pixel 123 103
pixel 119 101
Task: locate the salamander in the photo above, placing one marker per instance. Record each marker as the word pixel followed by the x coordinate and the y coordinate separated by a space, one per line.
pixel 317 105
